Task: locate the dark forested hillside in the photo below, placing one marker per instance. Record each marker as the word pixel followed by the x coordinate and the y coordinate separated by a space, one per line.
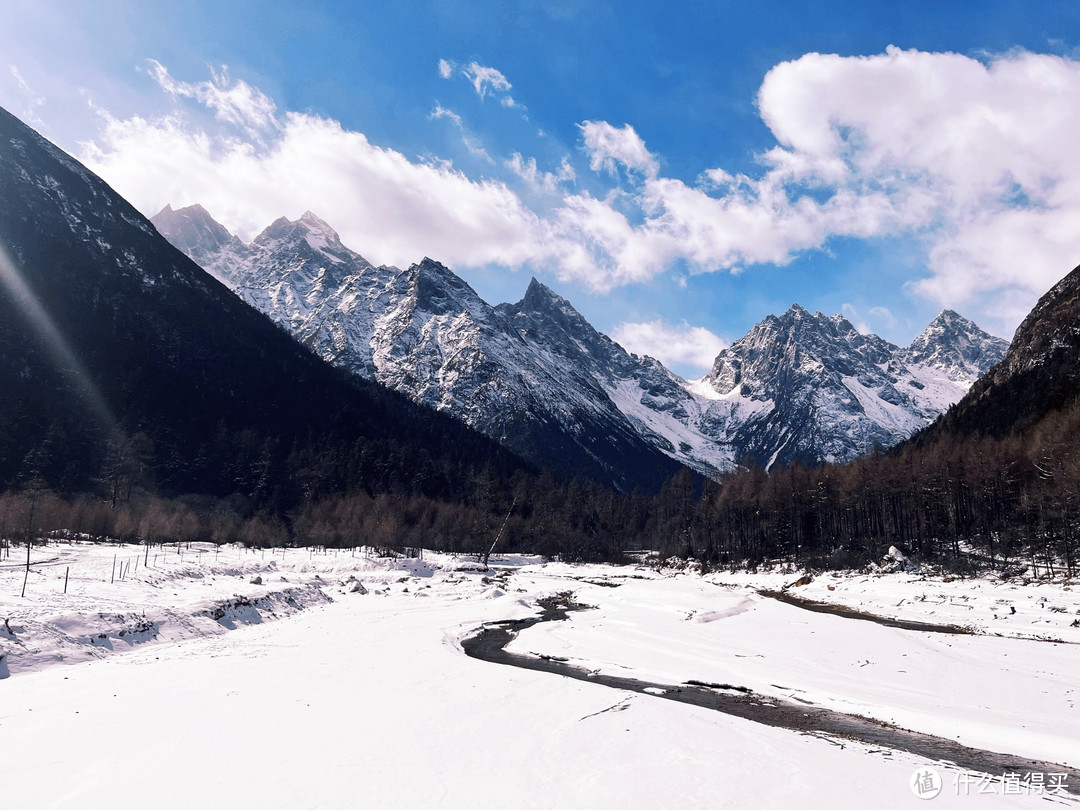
pixel 121 359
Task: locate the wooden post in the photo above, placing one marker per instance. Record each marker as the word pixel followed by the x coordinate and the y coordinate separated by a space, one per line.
pixel 26 576
pixel 29 527
pixel 112 577
pixel 499 535
pixel 66 572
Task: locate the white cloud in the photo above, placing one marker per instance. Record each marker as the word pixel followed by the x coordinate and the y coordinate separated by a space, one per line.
pixel 441 112
pixel 487 80
pixel 608 146
pixel 390 208
pixel 977 160
pixel 852 314
pixel 884 316
pixel 471 142
pixel 693 346
pixel 548 182
pixel 445 68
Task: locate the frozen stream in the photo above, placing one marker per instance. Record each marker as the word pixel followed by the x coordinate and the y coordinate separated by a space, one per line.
pixel 489 644
pixel 297 678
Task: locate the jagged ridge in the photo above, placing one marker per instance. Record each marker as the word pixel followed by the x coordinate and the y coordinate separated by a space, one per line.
pixel 539 378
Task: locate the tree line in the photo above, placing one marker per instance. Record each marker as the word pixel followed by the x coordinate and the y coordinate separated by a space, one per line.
pixel 961 502
pixel 964 502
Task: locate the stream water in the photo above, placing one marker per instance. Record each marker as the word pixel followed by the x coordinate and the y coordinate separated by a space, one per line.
pixel 489 644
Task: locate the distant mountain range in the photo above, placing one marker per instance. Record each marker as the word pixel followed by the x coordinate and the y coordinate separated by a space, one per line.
pixel 538 378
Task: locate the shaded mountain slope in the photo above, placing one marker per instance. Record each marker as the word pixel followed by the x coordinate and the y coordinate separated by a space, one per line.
pixel 107 331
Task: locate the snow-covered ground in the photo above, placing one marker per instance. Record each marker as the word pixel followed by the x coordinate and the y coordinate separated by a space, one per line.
pixel 134 690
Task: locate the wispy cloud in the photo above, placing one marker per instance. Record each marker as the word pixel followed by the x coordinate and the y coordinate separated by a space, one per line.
pixel 608 147
pixel 442 112
pixel 233 102
pixel 548 182
pixel 385 205
pixel 974 159
pixel 487 80
pixel 33 100
pixel 884 316
pixel 471 142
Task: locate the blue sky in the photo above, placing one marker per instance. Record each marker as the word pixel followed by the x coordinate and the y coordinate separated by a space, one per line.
pixel 677 174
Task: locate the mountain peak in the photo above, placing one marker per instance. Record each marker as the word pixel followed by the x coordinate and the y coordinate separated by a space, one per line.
pixel 192 230
pixel 439 290
pixel 958 347
pixel 539 296
pixel 950 317
pixel 800 317
pixel 277 229
pixel 315 223
pixel 1037 375
pixel 308 228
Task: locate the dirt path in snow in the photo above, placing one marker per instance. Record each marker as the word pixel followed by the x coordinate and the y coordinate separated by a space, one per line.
pixel 489 642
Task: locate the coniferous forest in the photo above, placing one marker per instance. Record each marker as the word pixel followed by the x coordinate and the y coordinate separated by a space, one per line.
pixel 964 503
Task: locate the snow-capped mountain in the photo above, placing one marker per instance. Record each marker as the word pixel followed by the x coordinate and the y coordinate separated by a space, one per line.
pixel 826 392
pixel 956 348
pixel 425 332
pixel 539 378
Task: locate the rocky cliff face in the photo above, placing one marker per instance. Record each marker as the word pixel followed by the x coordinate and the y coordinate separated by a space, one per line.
pixel 538 377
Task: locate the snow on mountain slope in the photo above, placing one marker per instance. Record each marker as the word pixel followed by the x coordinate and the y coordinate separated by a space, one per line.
pixel 538 377
pixel 423 331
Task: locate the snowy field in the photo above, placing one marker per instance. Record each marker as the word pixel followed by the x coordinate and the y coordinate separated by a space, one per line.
pixel 234 678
